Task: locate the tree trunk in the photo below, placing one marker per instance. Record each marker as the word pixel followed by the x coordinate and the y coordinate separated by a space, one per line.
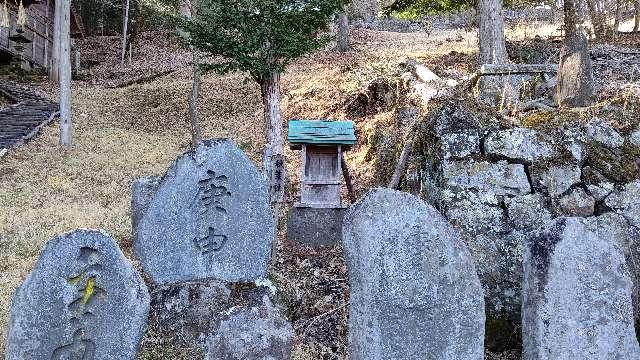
pixel 64 73
pixel 491 33
pixel 636 24
pixel 55 52
pixel 598 19
pixel 343 33
pixel 196 131
pixel 575 74
pixel 618 20
pixel 276 170
pixel 125 25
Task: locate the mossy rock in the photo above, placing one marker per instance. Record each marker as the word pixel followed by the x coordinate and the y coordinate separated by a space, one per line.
pixel 620 165
pixel 549 120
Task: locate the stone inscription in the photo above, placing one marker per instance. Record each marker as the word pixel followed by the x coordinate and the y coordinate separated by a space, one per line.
pixel 88 296
pixel 213 191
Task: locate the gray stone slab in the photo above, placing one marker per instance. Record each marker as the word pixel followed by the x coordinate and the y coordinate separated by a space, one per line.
pixel 83 300
pixel 415 293
pixel 142 191
pixel 499 178
pixel 314 227
pixel 576 295
pixel 209 218
pixel 519 144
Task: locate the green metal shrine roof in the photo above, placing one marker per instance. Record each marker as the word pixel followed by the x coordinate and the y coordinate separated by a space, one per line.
pixel 321 132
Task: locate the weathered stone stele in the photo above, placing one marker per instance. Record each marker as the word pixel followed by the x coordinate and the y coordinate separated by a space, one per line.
pixel 83 300
pixel 576 294
pixel 209 218
pixel 415 293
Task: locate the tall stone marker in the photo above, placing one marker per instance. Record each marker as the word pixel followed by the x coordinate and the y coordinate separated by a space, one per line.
pixel 83 300
pixel 209 218
pixel 576 295
pixel 415 293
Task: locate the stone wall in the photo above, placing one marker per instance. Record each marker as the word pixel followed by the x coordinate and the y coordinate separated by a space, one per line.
pixel 498 184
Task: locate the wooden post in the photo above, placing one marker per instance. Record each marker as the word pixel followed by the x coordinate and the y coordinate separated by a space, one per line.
pixel 347 179
pixel 64 73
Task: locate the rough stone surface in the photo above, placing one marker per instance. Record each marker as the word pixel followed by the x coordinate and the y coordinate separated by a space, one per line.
pixel 414 289
pixel 476 212
pixel 604 133
pixel 528 211
pixel 210 218
pixel 518 144
pixel 626 202
pixel 577 295
pixel 577 203
pixel 499 178
pixel 556 179
pixel 189 310
pixel 142 192
pixel 635 138
pixel 82 300
pixel 251 333
pixel 459 145
pixel 598 186
pixel 501 90
pixel 314 227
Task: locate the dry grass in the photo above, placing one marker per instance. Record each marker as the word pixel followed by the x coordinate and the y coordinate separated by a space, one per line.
pixel 121 134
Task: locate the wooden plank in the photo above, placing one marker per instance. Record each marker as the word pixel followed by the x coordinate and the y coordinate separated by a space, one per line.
pixel 505 69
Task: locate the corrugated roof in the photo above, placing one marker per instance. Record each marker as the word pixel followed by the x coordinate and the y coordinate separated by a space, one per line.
pixel 321 132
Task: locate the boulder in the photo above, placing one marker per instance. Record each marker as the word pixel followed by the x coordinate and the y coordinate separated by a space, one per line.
pixel 518 144
pixel 189 311
pixel 626 202
pixel 83 300
pixel 209 218
pixel 460 144
pixel 577 203
pixel 555 179
pixel 415 293
pixel 528 211
pixel 251 333
pixel 635 138
pixel 603 133
pixel 576 295
pixel 499 178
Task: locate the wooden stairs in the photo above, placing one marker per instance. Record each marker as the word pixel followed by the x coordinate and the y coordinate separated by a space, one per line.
pixel 25 118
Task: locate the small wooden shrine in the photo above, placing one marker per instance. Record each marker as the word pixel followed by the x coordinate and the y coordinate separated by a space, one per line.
pixel 316 220
pixel 321 143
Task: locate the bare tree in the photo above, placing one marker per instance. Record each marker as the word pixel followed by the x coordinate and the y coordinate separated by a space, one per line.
pixel 64 72
pixel 575 73
pixel 186 9
pixel 491 33
pixel 598 15
pixel 343 33
pixel 619 14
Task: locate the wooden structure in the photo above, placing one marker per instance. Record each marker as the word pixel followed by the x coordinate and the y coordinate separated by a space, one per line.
pixel 38 29
pixel 322 144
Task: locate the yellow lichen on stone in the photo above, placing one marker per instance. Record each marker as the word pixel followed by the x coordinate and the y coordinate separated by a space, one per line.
pixel 89 289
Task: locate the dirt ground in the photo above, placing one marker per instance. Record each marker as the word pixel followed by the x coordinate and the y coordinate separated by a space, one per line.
pixel 123 133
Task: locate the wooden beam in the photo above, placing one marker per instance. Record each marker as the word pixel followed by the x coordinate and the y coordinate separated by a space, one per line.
pixel 506 69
